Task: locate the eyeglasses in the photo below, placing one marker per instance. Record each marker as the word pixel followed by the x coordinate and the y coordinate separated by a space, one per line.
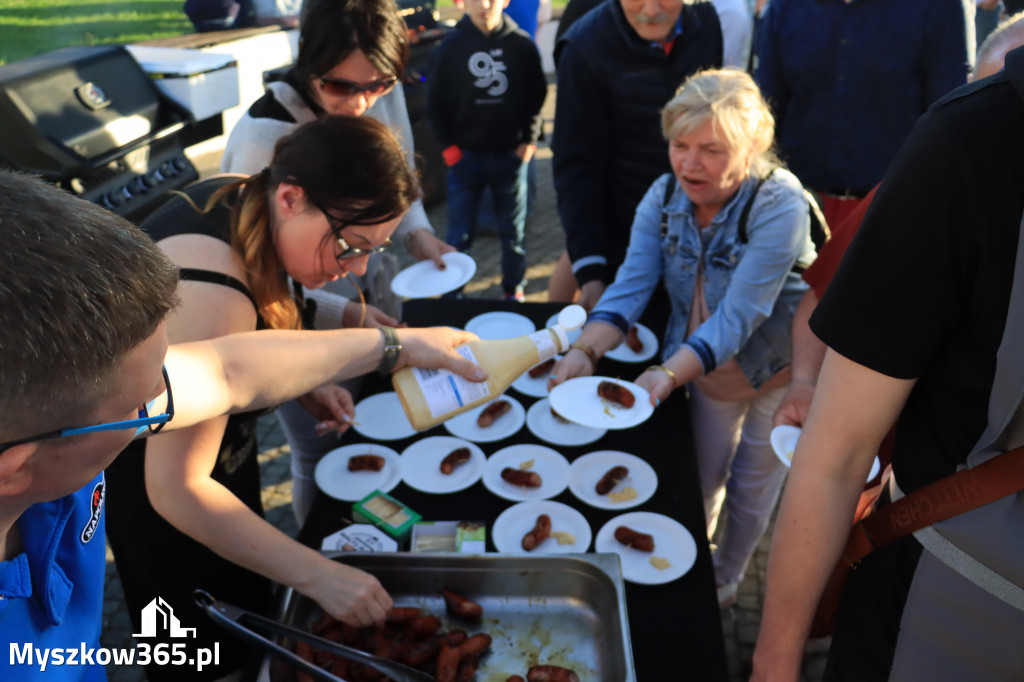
pixel 154 423
pixel 339 87
pixel 349 252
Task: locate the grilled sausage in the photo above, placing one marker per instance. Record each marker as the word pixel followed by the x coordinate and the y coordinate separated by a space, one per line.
pixel 609 390
pixel 423 626
pixel 634 539
pixel 541 369
pixel 447 664
pixel 454 637
pixel 475 645
pixel 341 668
pixel 304 651
pixel 550 673
pixel 492 412
pixel 515 678
pixel 520 477
pixel 460 606
pixel 421 652
pixel 540 533
pixel 611 479
pixel 454 459
pixel 467 668
pixel 365 463
pixel 401 615
pixel 633 341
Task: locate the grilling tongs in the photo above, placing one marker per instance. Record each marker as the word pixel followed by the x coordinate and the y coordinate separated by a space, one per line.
pixel 241 623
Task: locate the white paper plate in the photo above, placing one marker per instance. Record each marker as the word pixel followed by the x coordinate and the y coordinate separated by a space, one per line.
pixel 421 465
pixel 535 388
pixel 424 280
pixel 519 519
pixel 573 335
pixel 508 424
pixel 552 467
pixel 587 470
pixel 333 477
pixel 500 325
pixel 577 401
pixel 545 427
pixel 623 353
pixel 381 417
pixel 671 541
pixel 784 437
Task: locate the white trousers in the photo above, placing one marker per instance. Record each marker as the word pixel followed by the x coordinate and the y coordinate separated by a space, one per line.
pixel 737 467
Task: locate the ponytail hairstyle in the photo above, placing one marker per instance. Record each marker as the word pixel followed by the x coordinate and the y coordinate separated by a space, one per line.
pixel 351 168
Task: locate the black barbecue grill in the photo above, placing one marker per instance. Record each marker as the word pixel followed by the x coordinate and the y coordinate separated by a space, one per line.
pixel 91 120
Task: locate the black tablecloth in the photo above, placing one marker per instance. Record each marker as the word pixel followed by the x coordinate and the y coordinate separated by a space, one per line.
pixel 675 628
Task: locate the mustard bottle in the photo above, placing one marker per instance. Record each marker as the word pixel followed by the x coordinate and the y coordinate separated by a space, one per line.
pixel 431 396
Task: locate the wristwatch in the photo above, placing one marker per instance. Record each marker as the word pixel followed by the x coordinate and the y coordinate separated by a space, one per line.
pixel 392 349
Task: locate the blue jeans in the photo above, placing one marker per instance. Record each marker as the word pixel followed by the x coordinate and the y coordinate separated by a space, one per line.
pixel 505 174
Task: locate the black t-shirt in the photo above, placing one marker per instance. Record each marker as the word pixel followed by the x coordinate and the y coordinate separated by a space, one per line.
pixel 924 288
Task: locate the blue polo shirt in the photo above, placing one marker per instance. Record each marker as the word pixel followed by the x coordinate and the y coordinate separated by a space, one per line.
pixel 846 81
pixel 53 591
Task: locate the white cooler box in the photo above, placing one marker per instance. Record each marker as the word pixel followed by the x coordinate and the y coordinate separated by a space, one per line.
pixel 205 84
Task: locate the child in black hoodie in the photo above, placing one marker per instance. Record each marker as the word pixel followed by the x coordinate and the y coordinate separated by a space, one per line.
pixel 486 91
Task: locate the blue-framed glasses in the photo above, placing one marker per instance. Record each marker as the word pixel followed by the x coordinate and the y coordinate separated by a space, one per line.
pixel 144 421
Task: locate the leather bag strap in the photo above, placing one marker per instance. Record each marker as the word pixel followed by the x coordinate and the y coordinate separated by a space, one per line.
pixel 950 496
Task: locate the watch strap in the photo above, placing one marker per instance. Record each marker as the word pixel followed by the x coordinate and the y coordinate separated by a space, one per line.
pixel 392 349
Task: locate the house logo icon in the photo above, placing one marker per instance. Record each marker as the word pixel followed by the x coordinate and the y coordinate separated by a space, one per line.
pixel 159 616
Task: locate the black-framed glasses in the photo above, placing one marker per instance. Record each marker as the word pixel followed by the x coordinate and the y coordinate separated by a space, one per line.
pixel 339 87
pixel 349 252
pixel 153 422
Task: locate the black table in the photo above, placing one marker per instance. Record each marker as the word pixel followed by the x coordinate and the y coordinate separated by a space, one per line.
pixel 675 628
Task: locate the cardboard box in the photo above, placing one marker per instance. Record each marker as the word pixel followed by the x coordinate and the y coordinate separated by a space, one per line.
pixel 467 537
pixel 385 512
pixel 205 84
pixel 359 537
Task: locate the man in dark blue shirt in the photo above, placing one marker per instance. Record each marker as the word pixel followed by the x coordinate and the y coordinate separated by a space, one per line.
pixel 618 65
pixel 847 79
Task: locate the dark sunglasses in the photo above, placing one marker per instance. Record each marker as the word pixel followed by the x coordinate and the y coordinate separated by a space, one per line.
pixel 339 87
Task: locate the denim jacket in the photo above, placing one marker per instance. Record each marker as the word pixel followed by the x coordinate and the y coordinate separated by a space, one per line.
pixel 750 288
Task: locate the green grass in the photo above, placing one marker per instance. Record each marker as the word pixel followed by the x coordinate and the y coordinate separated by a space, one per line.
pixel 31 27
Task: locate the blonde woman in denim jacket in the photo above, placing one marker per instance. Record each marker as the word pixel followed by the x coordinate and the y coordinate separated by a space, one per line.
pixel 733 299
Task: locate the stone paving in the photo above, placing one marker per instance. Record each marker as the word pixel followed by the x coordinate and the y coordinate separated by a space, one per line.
pixel 544 244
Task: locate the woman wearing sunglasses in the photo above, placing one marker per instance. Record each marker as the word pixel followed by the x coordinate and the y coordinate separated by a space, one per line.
pixel 184 508
pixel 351 61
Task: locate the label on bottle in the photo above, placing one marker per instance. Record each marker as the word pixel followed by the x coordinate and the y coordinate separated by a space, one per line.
pixel 446 392
pixel 545 344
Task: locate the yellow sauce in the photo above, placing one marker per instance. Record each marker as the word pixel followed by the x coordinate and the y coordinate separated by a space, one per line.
pixel 624 495
pixel 563 537
pixel 659 563
pixel 528 464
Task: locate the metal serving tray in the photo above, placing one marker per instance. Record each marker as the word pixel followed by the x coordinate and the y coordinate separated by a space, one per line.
pixel 560 610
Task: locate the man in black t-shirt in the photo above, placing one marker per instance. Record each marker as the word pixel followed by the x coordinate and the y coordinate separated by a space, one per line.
pixel 920 327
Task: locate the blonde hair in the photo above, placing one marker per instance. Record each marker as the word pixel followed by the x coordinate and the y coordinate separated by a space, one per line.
pixel 732 101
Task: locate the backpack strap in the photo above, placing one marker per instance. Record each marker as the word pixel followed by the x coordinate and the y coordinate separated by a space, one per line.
pixel 670 189
pixel 745 213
